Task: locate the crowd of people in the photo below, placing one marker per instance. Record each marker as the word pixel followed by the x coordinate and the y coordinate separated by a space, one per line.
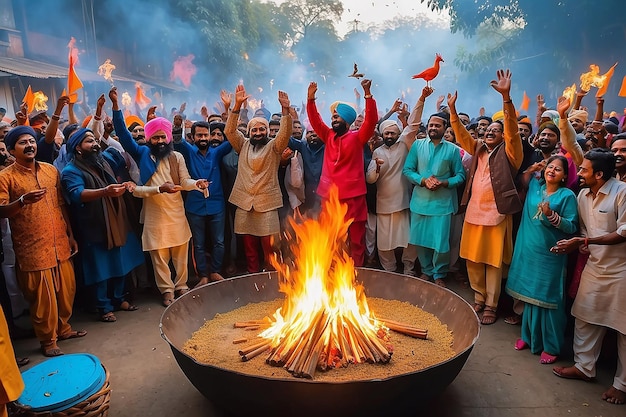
pixel 94 209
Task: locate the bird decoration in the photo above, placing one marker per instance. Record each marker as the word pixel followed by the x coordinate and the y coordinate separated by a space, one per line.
pixel 356 73
pixel 429 74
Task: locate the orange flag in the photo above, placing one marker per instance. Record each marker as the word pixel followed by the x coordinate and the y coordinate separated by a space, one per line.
pixel 525 102
pixel 73 82
pixel 29 99
pixel 140 98
pixel 607 80
pixel 622 91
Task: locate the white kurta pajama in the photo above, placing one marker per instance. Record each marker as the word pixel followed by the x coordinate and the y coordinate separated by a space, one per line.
pixel 166 232
pixel 600 301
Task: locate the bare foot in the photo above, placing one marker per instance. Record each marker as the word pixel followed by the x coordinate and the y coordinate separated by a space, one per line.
pixel 614 396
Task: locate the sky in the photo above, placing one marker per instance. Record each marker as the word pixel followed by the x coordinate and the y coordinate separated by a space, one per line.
pixel 368 12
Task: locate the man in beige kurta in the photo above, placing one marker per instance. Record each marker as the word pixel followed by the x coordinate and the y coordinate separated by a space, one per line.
pixel 256 191
pixel 164 174
pixel 599 303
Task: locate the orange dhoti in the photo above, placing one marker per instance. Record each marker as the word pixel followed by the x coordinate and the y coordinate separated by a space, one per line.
pixel 50 293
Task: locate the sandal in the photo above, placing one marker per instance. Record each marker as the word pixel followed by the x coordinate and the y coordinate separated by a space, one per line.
pixel 22 361
pixel 51 350
pixel 108 317
pixel 513 320
pixel 182 291
pixel 489 316
pixel 126 306
pixel 74 334
pixel 520 345
pixel 547 359
pixel 441 283
pixel 478 307
pixel 168 298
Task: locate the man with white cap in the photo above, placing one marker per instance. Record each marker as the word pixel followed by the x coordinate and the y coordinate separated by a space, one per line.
pixel 343 160
pixel 394 189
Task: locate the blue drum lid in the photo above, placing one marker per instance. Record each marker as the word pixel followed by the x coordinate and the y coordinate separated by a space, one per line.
pixel 62 382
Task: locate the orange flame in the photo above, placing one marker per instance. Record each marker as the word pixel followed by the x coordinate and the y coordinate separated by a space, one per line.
pixel 183 69
pixel 126 100
pixel 106 69
pixel 594 79
pixel 39 101
pixel 570 93
pixel 254 104
pixel 321 289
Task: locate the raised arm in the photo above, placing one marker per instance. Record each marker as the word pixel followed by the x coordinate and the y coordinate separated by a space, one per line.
pixel 568 134
pixel 463 137
pixel 51 130
pixel 371 113
pixel 286 123
pixel 512 139
pixel 234 136
pixel 313 114
pixel 409 133
pixel 126 139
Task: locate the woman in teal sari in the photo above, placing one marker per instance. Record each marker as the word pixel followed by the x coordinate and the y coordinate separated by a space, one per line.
pixel 537 276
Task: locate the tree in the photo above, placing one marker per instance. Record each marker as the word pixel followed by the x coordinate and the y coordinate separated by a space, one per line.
pixel 549 40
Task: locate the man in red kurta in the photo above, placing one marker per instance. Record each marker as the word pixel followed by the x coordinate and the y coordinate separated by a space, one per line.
pixel 343 164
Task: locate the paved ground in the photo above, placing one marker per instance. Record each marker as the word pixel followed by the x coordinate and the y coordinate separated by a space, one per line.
pixel 496 380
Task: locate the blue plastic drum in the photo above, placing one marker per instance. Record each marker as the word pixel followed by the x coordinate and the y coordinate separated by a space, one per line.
pixel 62 382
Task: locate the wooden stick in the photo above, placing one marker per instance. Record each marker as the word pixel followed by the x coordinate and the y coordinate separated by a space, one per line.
pixel 240 340
pixel 253 347
pixel 256 352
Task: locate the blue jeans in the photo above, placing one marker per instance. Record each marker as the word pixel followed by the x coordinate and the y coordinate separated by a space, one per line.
pixel 214 225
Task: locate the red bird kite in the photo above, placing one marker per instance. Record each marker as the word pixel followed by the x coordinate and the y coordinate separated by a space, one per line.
pixel 429 74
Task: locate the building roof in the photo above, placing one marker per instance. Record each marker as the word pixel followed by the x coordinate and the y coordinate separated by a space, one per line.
pixel 25 67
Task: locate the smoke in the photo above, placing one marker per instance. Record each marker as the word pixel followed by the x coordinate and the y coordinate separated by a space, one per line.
pixel 154 40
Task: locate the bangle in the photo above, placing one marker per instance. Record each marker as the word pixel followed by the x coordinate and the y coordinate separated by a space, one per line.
pixel 97 117
pixel 235 111
pixel 507 101
pixel 586 241
pixel 21 200
pixel 367 96
pixel 56 117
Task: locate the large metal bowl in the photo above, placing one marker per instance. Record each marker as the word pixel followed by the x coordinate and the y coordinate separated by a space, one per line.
pixel 240 394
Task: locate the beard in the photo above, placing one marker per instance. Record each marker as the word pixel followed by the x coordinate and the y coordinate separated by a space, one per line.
pixel 259 140
pixel 202 144
pixel 94 158
pixel 215 143
pixel 160 151
pixel 340 128
pixel 389 142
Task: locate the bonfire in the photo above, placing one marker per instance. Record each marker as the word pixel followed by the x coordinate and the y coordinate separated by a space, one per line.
pixel 325 321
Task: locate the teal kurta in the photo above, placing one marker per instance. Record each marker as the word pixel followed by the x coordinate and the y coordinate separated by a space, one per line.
pixel 537 276
pixel 444 162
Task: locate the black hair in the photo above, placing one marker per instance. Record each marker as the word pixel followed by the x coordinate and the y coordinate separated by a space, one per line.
pixel 199 124
pixel 602 160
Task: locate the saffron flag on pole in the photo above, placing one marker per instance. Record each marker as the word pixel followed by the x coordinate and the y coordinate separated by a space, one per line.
pixel 29 99
pixel 525 102
pixel 140 98
pixel 73 82
pixel 607 79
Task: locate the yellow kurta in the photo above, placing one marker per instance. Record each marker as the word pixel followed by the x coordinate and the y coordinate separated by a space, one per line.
pixel 163 214
pixel 11 383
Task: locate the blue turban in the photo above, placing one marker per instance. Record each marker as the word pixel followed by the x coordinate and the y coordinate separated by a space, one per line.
pixel 76 139
pixel 11 138
pixel 346 112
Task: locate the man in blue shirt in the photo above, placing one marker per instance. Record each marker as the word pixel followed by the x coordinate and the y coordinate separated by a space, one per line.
pixel 206 212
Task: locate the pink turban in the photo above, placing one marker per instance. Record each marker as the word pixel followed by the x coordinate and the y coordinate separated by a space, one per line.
pixel 156 124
